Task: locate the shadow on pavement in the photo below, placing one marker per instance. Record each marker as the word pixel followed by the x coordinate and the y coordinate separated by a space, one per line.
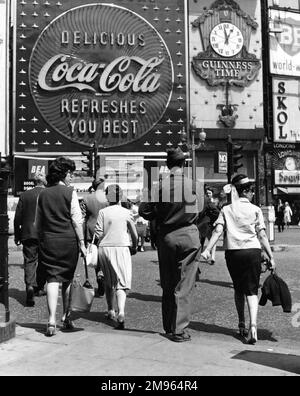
pixel 216 283
pixel 144 297
pixel 18 295
pixel 98 317
pixel 290 363
pixel 41 328
pixel 263 335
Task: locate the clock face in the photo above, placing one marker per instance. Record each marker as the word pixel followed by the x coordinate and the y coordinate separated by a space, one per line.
pixel 290 164
pixel 226 39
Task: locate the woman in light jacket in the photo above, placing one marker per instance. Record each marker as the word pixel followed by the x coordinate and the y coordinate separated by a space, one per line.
pixel 245 236
pixel 117 237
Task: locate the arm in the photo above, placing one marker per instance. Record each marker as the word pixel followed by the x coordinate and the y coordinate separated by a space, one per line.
pixel 18 222
pixel 77 221
pixel 214 239
pixel 133 233
pixel 99 228
pixel 266 247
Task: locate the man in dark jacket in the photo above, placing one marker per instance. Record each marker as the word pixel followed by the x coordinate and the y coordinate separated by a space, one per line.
pixel 175 208
pixel 26 234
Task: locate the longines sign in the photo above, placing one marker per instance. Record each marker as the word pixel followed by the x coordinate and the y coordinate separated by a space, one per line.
pixel 102 72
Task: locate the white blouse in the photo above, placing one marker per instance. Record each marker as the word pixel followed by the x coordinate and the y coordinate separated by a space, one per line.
pixel 241 229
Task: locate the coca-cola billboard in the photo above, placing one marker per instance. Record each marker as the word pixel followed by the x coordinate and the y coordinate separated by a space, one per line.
pixel 104 72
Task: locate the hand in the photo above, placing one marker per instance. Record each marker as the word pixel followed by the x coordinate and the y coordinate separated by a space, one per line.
pixel 272 265
pixel 83 249
pixel 133 250
pixel 206 255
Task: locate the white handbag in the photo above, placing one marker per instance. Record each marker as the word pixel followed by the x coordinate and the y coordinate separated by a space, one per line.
pixel 92 254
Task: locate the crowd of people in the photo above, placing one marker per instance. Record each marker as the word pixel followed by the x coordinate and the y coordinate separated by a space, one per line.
pixel 55 228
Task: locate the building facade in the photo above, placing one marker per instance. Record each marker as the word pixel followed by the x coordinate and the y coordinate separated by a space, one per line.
pixel 133 76
pixel 284 153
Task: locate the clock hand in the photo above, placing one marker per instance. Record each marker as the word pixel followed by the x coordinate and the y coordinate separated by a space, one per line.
pixel 226 36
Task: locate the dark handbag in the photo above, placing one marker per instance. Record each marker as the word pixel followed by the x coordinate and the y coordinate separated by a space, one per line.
pixel 81 295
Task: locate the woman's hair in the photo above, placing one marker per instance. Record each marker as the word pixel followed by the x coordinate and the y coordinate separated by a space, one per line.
pixel 58 170
pixel 237 181
pixel 114 194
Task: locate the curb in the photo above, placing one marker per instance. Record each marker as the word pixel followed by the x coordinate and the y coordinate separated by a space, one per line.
pixel 7 331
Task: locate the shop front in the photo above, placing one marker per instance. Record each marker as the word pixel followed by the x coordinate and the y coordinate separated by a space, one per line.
pixel 114 74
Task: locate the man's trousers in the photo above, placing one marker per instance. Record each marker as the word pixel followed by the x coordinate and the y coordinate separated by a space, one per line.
pixel 176 252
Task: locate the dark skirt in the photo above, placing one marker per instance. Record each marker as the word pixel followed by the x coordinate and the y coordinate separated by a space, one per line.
pixel 244 267
pixel 59 257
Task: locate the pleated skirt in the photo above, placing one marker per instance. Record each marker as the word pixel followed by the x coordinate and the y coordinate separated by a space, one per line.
pixel 117 266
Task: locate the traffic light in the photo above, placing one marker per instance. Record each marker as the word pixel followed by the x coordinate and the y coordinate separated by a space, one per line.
pixel 89 162
pixel 233 157
pixel 96 159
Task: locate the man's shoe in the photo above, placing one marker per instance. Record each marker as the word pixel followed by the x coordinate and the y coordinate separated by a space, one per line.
pixel 180 337
pixel 30 297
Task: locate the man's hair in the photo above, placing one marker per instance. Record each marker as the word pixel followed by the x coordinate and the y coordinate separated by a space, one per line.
pixel 114 193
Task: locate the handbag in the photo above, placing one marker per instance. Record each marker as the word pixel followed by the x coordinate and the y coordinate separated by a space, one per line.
pixel 81 295
pixel 92 254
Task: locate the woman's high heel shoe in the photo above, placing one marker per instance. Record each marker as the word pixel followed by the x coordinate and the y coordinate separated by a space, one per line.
pixel 51 329
pixel 252 338
pixel 243 332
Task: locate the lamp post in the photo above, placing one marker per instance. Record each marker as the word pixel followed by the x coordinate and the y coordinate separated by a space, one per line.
pixel 192 147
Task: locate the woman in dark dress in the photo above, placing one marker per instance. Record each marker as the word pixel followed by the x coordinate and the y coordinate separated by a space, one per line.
pixel 59 223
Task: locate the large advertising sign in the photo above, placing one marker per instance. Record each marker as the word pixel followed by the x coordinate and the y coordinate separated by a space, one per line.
pixel 3 77
pixel 286 164
pixel 285 43
pixel 286 103
pixel 111 73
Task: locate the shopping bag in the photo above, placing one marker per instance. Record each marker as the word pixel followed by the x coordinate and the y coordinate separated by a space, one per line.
pixel 92 254
pixel 81 295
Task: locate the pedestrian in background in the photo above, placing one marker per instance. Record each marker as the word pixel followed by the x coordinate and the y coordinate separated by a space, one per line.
pixel 175 211
pixel 90 209
pixel 59 224
pixel 287 215
pixel 279 210
pixel 26 234
pixel 245 236
pixel 117 236
pixel 206 221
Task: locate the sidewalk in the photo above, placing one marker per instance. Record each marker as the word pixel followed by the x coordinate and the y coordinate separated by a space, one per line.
pixel 130 353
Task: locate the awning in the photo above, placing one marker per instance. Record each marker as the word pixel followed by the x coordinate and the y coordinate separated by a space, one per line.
pixel 288 190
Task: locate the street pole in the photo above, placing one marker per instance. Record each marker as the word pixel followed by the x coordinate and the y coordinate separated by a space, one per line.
pixel 4 242
pixel 8 328
pixel 193 157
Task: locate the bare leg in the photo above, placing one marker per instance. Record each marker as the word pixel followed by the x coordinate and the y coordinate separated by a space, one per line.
pixel 66 298
pixel 52 299
pixel 121 301
pixel 252 302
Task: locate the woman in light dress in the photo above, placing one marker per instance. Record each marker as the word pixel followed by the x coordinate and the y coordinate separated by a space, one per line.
pixel 287 214
pixel 117 237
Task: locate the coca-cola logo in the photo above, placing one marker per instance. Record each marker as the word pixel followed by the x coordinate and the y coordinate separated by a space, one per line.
pixel 101 72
